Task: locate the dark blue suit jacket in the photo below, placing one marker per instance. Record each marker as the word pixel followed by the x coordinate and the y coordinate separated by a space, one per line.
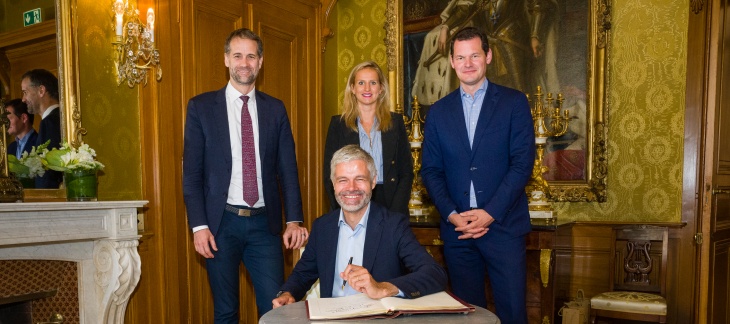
pixel 499 161
pixel 50 129
pixel 391 254
pixel 207 161
pixel 12 147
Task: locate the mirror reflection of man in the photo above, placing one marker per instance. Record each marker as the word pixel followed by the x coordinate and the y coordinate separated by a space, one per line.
pixel 20 128
pixel 40 93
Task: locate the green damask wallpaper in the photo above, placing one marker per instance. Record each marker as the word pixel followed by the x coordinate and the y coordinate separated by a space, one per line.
pixel 360 35
pixel 110 113
pixel 647 71
pixel 646 84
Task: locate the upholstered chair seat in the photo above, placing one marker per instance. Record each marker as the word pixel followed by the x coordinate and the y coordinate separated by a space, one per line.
pixel 630 302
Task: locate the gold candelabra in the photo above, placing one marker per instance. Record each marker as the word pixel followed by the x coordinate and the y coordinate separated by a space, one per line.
pixel 538 188
pixel 135 45
pixel 414 130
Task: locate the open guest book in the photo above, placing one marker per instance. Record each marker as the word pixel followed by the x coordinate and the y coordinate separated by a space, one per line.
pixel 360 306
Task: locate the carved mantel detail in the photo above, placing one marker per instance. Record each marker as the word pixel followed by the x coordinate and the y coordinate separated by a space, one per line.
pixel 118 268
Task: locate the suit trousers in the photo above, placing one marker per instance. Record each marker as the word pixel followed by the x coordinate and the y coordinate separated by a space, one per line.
pixel 244 239
pixel 468 261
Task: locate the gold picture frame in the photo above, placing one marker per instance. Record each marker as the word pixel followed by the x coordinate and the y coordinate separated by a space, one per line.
pixel 592 187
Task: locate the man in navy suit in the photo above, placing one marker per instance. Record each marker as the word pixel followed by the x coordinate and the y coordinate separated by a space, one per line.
pixel 478 151
pixel 20 128
pixel 40 93
pixel 238 157
pixel 363 243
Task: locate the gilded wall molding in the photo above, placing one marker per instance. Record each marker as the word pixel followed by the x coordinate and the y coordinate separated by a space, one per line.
pixel 697 6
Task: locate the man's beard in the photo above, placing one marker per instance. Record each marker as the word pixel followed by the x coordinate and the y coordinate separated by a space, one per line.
pixel 33 109
pixel 247 81
pixel 353 208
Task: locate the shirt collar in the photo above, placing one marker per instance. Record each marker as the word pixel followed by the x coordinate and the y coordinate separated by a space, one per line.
pixel 26 136
pixel 482 88
pixel 233 94
pixel 363 221
pixel 48 111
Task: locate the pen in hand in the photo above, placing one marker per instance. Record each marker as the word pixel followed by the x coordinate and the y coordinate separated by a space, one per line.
pixel 344 282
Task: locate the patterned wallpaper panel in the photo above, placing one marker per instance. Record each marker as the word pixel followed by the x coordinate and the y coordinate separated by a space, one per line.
pixel 647 69
pixel 110 113
pixel 360 37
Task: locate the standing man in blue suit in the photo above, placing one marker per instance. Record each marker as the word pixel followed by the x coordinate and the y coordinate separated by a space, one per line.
pixel 238 157
pixel 478 151
pixel 40 93
pixel 363 243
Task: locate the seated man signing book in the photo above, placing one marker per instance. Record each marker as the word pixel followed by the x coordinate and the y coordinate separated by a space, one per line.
pixel 362 247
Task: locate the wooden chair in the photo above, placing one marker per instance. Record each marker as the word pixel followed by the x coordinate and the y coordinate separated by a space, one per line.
pixel 638 283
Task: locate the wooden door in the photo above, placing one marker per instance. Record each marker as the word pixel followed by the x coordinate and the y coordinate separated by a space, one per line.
pixel 715 217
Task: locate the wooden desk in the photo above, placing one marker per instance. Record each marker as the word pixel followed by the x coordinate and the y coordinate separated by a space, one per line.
pixel 297 314
pixel 548 264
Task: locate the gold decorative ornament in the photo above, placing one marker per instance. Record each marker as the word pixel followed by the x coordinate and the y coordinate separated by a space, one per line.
pixel 538 189
pixel 545 261
pixel 135 45
pixel 414 129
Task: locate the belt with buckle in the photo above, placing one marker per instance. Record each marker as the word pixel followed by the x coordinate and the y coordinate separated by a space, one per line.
pixel 245 211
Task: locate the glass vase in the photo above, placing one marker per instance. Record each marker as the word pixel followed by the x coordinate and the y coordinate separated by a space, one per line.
pixel 80 185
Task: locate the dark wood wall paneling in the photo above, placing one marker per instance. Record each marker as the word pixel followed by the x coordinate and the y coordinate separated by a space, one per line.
pixel 190 36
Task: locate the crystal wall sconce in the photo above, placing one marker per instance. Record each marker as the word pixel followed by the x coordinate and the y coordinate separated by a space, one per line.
pixel 134 44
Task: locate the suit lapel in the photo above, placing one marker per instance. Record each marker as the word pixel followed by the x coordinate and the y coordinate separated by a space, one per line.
pixel 264 117
pixel 485 115
pixel 372 237
pixel 220 118
pixel 388 140
pixel 350 136
pixel 457 121
pixel 329 252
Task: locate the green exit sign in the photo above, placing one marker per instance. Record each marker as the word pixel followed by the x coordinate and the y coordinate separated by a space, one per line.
pixel 31 17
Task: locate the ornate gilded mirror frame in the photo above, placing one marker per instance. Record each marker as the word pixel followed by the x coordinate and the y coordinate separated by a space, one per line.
pixel 593 187
pixel 72 132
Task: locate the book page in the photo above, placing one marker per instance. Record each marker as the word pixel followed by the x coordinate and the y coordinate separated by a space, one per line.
pixel 344 307
pixel 437 301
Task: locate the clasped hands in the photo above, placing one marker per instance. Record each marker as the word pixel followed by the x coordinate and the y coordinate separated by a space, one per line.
pixel 472 223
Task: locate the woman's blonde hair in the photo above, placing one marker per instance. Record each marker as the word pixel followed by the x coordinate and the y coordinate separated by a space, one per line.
pixel 350 113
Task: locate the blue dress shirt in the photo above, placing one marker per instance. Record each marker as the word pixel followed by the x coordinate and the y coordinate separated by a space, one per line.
pixel 472 108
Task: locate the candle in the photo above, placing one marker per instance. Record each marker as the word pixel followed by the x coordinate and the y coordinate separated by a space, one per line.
pixel 119 13
pixel 151 23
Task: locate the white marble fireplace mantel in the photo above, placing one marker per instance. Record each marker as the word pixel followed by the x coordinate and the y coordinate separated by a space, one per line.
pixel 100 236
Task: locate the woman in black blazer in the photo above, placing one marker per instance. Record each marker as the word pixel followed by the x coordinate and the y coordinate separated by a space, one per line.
pixel 366 120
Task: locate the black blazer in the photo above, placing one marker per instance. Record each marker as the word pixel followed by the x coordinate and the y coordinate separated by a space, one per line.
pixel 397 161
pixel 50 129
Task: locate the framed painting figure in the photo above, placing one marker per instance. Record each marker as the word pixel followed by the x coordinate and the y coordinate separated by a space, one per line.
pixel 556 45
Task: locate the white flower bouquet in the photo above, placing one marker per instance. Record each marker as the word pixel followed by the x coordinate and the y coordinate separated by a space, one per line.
pixel 68 158
pixel 30 165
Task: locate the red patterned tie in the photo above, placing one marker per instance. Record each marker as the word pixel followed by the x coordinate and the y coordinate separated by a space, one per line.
pixel 248 156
